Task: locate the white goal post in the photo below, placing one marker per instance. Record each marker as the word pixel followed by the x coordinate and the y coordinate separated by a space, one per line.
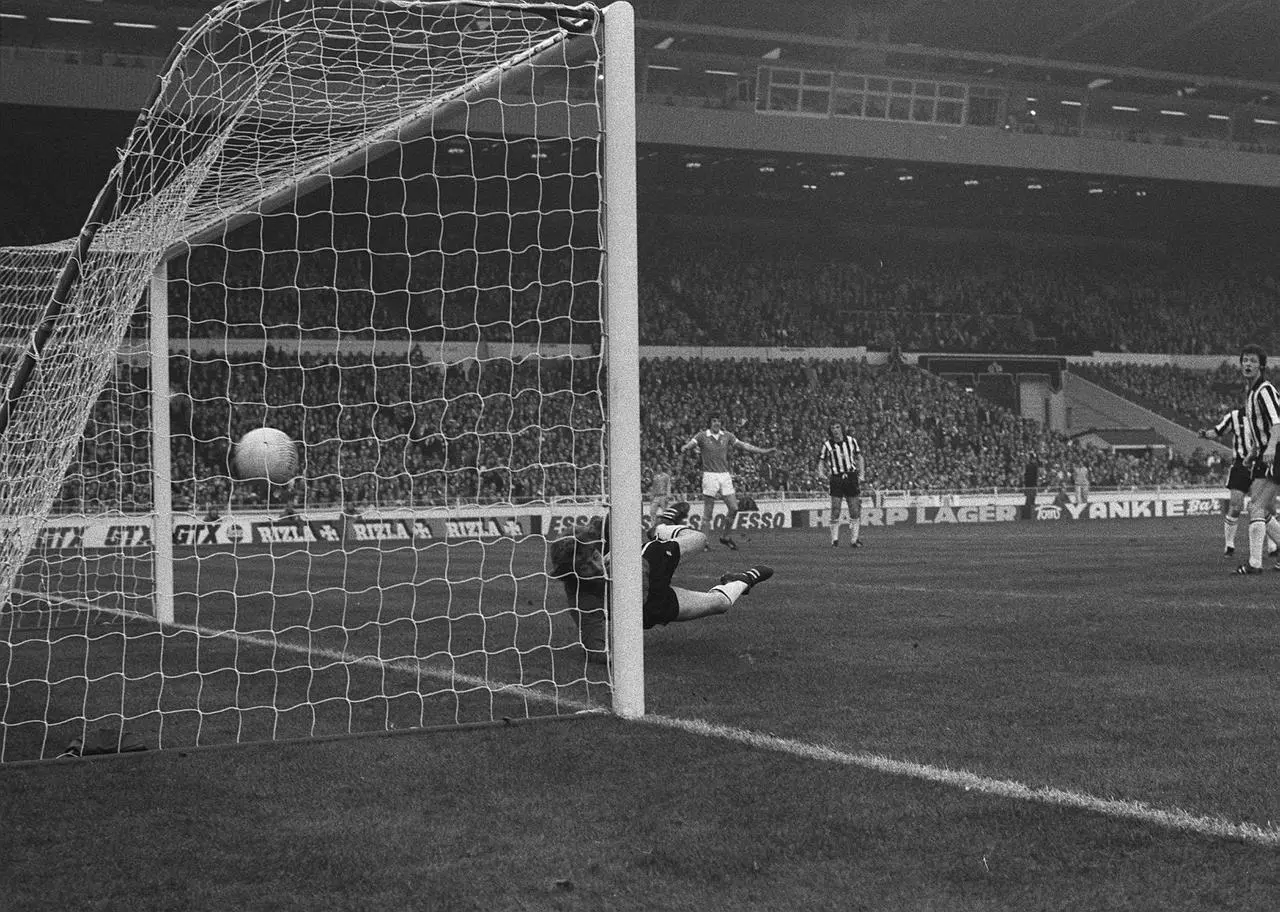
pixel 403 232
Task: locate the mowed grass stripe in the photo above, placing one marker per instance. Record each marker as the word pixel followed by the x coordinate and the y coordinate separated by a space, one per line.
pixel 1169 818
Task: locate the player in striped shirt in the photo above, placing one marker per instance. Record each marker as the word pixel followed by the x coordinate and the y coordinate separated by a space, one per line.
pixel 1262 427
pixel 841 459
pixel 1239 476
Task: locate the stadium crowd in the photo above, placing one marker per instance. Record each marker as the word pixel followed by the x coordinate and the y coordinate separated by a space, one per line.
pixel 704 289
pixel 952 297
pixel 397 431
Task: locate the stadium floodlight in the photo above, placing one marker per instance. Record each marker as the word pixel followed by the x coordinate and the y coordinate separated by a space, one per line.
pixel 451 341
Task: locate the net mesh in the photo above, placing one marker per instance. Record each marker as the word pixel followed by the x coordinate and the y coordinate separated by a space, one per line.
pixel 381 225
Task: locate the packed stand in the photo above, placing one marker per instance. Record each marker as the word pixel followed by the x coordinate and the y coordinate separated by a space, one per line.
pixel 532 295
pixel 918 431
pixel 709 288
pixel 957 297
pixel 397 432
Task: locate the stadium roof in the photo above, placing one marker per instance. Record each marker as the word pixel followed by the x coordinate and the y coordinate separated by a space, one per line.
pixel 1216 38
pixel 1237 40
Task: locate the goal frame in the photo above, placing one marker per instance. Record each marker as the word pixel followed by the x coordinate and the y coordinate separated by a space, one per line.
pixel 620 336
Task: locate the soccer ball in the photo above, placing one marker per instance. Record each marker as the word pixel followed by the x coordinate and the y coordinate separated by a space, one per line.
pixel 265 453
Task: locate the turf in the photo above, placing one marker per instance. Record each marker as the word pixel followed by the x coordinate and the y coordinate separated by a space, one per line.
pixel 1116 659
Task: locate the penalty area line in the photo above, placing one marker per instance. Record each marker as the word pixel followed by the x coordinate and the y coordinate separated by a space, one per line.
pixel 1169 818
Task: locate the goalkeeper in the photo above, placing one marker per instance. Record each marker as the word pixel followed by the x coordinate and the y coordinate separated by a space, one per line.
pixel 580 562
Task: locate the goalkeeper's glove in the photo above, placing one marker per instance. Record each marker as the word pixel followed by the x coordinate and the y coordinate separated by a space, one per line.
pixel 674 514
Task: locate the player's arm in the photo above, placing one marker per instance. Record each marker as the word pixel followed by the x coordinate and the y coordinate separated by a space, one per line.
pixel 824 467
pixel 1218 429
pixel 752 448
pixel 862 465
pixel 1268 454
pixel 1270 403
pixel 692 442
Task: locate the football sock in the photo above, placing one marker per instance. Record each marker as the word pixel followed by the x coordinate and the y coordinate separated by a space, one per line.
pixel 1257 541
pixel 1229 524
pixel 835 531
pixel 731 590
pixel 854 528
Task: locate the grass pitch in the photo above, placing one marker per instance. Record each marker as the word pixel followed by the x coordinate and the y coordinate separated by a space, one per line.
pixel 1114 660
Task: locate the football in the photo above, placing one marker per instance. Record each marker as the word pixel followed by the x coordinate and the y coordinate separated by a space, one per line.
pixel 265 453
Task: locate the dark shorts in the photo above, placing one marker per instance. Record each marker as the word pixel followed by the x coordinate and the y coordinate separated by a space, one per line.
pixel 845 486
pixel 1269 472
pixel 1239 478
pixel 661 606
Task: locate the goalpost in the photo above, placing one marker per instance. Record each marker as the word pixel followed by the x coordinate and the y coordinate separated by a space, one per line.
pixel 403 232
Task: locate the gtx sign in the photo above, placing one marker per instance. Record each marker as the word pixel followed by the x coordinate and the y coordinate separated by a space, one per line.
pixel 108 534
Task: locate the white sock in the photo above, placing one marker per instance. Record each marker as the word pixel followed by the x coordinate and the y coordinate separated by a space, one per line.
pixel 1229 525
pixel 1273 531
pixel 1257 541
pixel 854 528
pixel 835 531
pixel 731 591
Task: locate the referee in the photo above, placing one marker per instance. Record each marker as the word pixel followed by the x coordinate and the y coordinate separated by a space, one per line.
pixel 841 459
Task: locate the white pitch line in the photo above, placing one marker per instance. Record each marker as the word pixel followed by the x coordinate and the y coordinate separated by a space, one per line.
pixel 1060 597
pixel 1169 818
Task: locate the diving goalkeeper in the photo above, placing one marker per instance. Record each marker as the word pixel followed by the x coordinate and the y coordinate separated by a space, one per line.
pixel 580 562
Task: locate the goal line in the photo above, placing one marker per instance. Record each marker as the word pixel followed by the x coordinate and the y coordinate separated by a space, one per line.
pixel 1167 818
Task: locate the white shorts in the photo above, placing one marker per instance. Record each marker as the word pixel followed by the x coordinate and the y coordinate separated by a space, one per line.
pixel 717 484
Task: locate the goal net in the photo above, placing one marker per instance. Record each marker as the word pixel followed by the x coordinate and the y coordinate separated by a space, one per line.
pixel 402 233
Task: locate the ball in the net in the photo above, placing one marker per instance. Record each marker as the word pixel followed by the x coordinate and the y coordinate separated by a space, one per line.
pixel 265 453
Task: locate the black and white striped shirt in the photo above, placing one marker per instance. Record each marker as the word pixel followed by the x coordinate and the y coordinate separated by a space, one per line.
pixel 1233 421
pixel 842 457
pixel 1261 410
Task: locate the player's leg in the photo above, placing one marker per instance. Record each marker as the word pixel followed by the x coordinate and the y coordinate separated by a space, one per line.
pixel 1231 521
pixel 731 502
pixel 1262 494
pixel 688 538
pixel 718 599
pixel 855 519
pixel 709 494
pixel 836 500
pixel 1239 479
